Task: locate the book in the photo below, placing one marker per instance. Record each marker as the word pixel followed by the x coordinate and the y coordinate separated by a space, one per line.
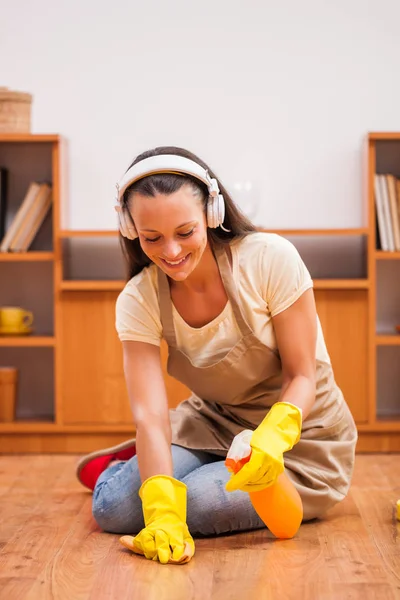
pixel 378 236
pixel 29 198
pixel 387 213
pixel 3 200
pixel 32 220
pixel 38 221
pixel 394 213
pixel 380 217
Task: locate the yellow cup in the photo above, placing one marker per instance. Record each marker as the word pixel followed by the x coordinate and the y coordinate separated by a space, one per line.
pixel 14 319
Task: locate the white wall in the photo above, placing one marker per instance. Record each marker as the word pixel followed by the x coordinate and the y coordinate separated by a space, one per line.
pixel 278 94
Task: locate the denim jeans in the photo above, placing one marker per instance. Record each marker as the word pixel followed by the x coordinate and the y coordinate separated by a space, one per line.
pixel 211 510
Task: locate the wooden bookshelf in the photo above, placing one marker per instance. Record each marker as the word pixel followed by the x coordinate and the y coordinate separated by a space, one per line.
pixel 383 156
pixel 77 352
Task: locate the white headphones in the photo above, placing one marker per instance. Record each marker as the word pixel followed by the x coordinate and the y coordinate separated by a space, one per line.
pixel 169 163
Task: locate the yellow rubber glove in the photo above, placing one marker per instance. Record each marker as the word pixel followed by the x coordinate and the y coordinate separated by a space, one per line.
pixel 165 536
pixel 277 433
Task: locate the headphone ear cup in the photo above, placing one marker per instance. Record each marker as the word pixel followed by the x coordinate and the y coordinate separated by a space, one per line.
pixel 126 225
pixel 215 211
pixel 220 209
pixel 210 212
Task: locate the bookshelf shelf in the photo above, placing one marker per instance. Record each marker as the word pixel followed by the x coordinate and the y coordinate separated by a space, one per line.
pixel 52 427
pixel 76 286
pixel 30 137
pixel 26 256
pixel 70 233
pixel 379 136
pixel 387 340
pixel 381 255
pixel 358 231
pixel 341 284
pixel 27 341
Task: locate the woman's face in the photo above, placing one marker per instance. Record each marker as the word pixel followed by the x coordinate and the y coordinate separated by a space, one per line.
pixel 172 230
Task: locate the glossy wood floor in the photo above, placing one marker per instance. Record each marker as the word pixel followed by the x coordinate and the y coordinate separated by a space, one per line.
pixel 50 547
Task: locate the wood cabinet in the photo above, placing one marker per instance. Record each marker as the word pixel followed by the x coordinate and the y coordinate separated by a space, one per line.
pixel 71 393
pixel 344 320
pixel 93 389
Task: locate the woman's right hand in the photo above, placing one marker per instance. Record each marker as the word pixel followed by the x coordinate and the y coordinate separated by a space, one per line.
pixel 165 537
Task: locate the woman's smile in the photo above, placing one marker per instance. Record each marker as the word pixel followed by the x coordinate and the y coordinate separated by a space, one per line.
pixel 173 264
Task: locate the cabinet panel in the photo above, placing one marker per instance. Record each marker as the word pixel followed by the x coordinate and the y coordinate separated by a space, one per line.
pixel 92 380
pixel 344 319
pixel 92 383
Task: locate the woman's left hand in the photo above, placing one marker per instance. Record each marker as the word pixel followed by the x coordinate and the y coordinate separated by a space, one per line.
pixel 277 433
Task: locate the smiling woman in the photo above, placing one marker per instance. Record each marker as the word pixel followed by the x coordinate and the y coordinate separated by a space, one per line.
pixel 236 309
pixel 146 197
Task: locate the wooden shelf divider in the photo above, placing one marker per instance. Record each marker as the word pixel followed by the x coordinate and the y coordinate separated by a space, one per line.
pixel 87 285
pixel 341 284
pixel 26 256
pixel 25 341
pixel 388 340
pixel 381 255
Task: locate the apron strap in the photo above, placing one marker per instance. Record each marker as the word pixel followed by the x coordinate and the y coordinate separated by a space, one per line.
pixel 231 288
pixel 165 303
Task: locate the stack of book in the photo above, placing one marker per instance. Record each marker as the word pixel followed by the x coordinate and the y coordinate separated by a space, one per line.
pixel 387 200
pixel 28 219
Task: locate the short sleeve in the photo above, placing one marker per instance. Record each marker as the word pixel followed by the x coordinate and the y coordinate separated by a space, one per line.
pixel 285 275
pixel 137 315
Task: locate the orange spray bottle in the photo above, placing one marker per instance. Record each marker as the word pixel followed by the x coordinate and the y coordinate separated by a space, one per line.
pixel 279 506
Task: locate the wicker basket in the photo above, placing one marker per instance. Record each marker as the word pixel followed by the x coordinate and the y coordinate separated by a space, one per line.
pixel 15 111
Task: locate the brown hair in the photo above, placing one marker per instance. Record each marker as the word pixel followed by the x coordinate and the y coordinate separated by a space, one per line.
pixel 168 183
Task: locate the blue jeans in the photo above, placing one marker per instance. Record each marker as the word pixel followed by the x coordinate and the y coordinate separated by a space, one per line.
pixel 211 510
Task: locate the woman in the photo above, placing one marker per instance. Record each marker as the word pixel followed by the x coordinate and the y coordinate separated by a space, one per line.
pixel 237 310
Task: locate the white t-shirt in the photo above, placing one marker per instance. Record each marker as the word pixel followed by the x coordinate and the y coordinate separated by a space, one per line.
pixel 270 276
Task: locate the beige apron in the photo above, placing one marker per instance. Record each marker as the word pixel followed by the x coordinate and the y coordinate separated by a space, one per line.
pixel 236 392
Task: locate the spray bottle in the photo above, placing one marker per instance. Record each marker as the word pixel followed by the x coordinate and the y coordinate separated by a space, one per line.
pixel 279 506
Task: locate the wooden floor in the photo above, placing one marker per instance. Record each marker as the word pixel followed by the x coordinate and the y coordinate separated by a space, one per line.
pixel 51 548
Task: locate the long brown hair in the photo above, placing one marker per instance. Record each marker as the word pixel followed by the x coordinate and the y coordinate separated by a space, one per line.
pixel 168 183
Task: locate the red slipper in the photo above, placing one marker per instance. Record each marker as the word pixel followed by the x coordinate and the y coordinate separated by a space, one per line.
pixel 90 467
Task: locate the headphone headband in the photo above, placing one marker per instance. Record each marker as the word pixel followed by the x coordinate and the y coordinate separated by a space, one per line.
pixel 166 163
pixel 169 163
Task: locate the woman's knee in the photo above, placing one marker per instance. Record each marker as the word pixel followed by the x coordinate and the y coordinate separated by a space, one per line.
pixel 116 505
pixel 122 515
